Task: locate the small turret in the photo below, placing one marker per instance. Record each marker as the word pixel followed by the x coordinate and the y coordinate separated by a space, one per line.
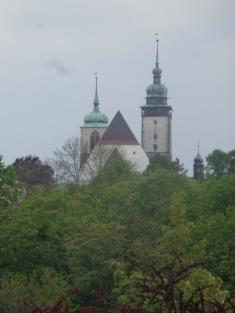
pixel 198 166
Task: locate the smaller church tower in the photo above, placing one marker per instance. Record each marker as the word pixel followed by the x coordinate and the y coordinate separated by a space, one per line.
pixel 156 117
pixel 95 123
pixel 198 167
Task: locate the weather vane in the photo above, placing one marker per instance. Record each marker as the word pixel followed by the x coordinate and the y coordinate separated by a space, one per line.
pixel 156 35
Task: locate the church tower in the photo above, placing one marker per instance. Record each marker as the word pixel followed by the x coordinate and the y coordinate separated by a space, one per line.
pixel 95 123
pixel 198 166
pixel 156 117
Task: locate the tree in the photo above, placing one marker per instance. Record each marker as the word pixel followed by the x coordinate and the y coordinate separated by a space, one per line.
pixel 179 167
pixel 176 287
pixel 217 163
pixel 220 163
pixel 42 287
pixel 9 189
pixel 231 155
pixel 119 234
pixel 94 163
pixel 174 278
pixel 158 162
pixel 115 170
pixel 30 171
pixel 67 162
pixel 31 239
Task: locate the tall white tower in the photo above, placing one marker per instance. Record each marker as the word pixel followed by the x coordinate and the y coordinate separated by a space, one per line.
pixel 156 117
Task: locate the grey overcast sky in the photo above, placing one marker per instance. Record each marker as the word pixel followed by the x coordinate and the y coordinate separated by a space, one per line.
pixel 49 50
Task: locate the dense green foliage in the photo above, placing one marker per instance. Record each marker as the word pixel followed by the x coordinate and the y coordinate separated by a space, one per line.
pixel 9 190
pixel 108 235
pixel 30 172
pixel 220 163
pixel 159 161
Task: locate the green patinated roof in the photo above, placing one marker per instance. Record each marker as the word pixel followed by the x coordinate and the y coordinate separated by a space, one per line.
pixel 96 119
pixel 156 89
pixel 157 70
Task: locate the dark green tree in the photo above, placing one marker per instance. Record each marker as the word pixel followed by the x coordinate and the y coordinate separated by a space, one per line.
pixel 115 170
pixel 30 171
pixel 231 155
pixel 9 189
pixel 159 162
pixel 218 163
pixel 115 234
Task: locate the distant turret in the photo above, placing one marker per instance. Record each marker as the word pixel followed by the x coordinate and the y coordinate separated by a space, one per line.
pixel 198 166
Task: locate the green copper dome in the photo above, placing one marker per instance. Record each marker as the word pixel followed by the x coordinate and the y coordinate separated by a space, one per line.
pixel 96 118
pixel 156 92
pixel 157 70
pixel 156 89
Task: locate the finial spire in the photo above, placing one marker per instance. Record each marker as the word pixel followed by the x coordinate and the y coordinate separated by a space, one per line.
pixel 157 39
pixel 157 71
pixel 96 99
pixel 198 146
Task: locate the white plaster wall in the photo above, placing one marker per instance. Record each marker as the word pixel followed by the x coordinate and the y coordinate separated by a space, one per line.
pixel 160 129
pixel 136 155
pixel 101 153
pixel 86 134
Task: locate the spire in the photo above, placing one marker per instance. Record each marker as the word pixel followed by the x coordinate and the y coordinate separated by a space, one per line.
pixel 157 71
pixel 198 166
pixel 157 39
pixel 96 99
pixel 198 158
pixel 156 92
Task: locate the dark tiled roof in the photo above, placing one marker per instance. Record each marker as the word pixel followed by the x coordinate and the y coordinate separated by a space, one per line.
pixel 118 132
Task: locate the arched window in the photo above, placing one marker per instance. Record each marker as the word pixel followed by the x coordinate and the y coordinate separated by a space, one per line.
pixel 95 137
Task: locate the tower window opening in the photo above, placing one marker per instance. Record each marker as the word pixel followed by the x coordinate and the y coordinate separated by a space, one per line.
pixel 154 147
pixel 95 137
pixel 155 136
pixel 155 122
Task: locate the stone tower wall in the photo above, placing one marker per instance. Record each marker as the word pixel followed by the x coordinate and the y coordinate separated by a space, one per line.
pixel 86 135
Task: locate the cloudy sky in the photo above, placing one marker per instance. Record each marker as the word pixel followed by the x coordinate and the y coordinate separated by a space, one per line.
pixel 49 50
